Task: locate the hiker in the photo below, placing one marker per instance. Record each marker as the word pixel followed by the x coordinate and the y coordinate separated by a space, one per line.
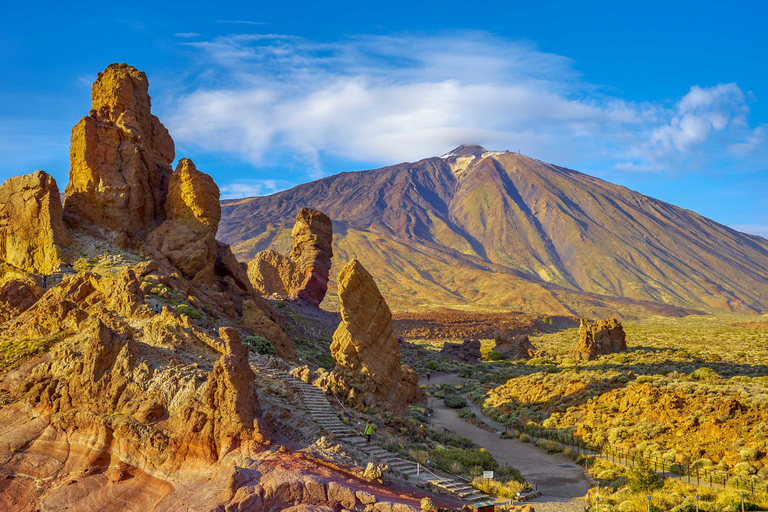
pixel 157 309
pixel 45 281
pixel 369 431
pixel 429 377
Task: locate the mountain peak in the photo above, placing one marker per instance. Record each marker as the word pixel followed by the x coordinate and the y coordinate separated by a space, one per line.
pixel 466 150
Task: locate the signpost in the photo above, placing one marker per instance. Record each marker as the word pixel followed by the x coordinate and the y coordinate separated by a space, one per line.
pixel 488 475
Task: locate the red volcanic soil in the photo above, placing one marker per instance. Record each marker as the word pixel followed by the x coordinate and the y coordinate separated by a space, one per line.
pixel 452 324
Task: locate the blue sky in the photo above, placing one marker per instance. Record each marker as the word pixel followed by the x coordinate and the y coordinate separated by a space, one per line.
pixel 668 98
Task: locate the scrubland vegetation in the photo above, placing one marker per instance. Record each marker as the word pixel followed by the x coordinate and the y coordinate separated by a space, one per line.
pixel 690 391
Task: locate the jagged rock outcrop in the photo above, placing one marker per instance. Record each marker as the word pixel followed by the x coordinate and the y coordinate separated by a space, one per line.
pixel 514 347
pixel 19 290
pixel 599 338
pixel 304 273
pixel 259 324
pixel 229 392
pixel 365 347
pixel 312 252
pixel 120 161
pixel 188 236
pixel 468 351
pixel 271 272
pixel 32 233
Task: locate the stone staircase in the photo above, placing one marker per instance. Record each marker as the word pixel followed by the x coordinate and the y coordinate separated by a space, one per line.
pixel 321 412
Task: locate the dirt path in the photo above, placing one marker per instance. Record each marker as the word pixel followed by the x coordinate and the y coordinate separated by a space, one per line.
pixel 561 481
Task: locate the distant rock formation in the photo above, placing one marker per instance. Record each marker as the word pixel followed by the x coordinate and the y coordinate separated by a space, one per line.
pixel 312 252
pixel 599 338
pixel 188 236
pixel 271 272
pixel 365 347
pixel 514 347
pixel 120 161
pixel 304 273
pixel 468 351
pixel 32 234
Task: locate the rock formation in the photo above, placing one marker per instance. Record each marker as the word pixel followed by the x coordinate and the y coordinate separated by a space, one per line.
pixel 365 347
pixel 188 236
pixel 304 273
pixel 271 272
pixel 19 290
pixel 468 351
pixel 120 161
pixel 312 252
pixel 599 338
pixel 514 347
pixel 32 233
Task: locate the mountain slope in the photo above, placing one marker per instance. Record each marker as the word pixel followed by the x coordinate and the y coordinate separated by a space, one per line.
pixel 499 230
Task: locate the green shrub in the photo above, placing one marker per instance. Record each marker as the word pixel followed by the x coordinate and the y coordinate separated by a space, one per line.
pixel 433 365
pixel 643 479
pixel 536 361
pixel 191 312
pixel 259 345
pixel 495 356
pixel 704 373
pixel 525 438
pixel 466 413
pixel 455 401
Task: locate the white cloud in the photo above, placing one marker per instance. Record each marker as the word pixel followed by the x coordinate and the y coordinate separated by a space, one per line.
pixel 187 35
pixel 401 98
pixel 251 188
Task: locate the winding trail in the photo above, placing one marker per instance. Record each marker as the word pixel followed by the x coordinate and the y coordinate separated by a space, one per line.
pixel 561 481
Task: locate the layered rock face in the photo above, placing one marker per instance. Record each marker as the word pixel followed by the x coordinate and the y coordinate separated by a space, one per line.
pixel 514 347
pixel 120 161
pixel 468 351
pixel 304 273
pixel 312 252
pixel 188 236
pixel 32 233
pixel 365 348
pixel 599 338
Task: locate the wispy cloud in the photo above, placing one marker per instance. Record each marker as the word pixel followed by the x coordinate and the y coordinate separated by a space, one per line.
pixel 394 98
pixel 187 35
pixel 250 188
pixel 242 22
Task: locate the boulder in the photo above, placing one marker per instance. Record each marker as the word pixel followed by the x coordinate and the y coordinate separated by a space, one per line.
pixel 32 233
pixel 468 351
pixel 599 338
pixel 312 252
pixel 271 272
pixel 365 348
pixel 514 347
pixel 188 236
pixel 120 161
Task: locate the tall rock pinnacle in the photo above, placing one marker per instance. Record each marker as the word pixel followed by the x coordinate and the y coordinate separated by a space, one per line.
pixel 120 160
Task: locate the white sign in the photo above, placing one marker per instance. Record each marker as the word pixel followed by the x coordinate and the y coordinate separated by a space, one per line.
pixel 487 474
